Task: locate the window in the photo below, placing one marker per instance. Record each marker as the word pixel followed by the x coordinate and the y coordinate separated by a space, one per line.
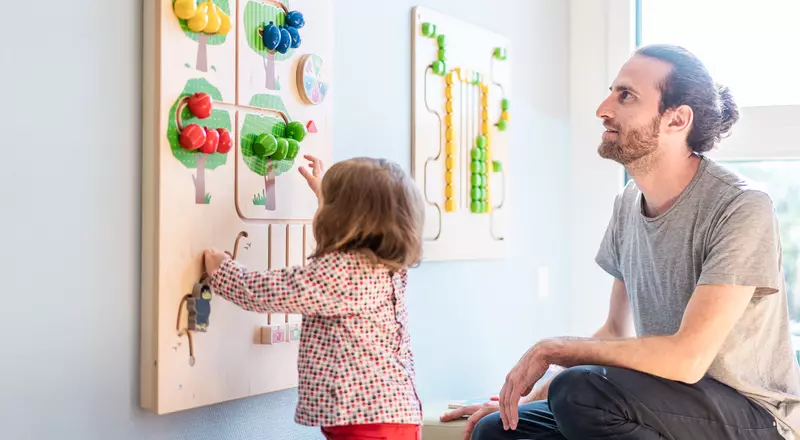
pixel 748 47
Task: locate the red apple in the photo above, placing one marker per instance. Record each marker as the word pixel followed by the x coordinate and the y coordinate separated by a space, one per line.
pixel 212 140
pixel 225 143
pixel 200 105
pixel 192 137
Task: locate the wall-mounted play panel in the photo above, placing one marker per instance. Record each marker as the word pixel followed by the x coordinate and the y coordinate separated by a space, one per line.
pixel 231 105
pixel 460 104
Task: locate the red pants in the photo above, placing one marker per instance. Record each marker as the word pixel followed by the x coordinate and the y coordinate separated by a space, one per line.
pixel 379 431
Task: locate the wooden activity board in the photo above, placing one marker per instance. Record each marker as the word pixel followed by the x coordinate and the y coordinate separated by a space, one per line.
pixel 235 94
pixel 460 105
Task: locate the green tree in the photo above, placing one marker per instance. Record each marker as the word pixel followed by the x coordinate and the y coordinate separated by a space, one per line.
pixel 203 39
pixel 254 126
pixel 196 159
pixel 256 16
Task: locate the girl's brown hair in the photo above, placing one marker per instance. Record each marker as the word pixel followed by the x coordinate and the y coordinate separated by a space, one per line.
pixel 373 207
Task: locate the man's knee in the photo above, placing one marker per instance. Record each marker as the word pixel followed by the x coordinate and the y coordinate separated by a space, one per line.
pixel 489 427
pixel 576 395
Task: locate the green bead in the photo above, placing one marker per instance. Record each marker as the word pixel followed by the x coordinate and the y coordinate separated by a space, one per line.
pixel 484 205
pixel 500 53
pixel 475 153
pixel 497 166
pixel 442 55
pixel 265 145
pixel 483 154
pixel 294 148
pixel 475 166
pixel 484 194
pixel 441 40
pixel 476 193
pixel 480 141
pixel 475 206
pixel 483 180
pixel 438 67
pixel 429 29
pixel 280 152
pixel 296 130
pixel 502 125
pixel 504 104
pixel 475 179
pixel 484 167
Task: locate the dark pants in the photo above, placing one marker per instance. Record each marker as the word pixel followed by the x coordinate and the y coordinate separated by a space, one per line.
pixel 593 403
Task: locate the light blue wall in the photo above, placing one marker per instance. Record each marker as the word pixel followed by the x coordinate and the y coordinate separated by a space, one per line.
pixel 71 146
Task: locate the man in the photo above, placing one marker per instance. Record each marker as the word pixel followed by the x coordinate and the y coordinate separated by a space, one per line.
pixel 695 254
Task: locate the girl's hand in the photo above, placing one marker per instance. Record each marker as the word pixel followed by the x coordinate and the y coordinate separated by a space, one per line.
pixel 313 177
pixel 213 259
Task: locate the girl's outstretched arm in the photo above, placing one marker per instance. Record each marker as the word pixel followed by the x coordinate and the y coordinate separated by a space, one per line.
pixel 323 287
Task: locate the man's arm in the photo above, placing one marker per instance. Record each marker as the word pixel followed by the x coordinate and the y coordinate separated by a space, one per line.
pixel 684 356
pixel 618 324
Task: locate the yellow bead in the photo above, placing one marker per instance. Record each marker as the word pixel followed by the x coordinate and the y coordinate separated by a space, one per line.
pixel 488 142
pixel 449 191
pixel 448 92
pixel 450 205
pixel 488 206
pixel 484 88
pixel 450 162
pixel 450 77
pixel 457 72
pixel 450 148
pixel 485 101
pixel 484 128
pixel 450 133
pixel 504 115
pixel 449 106
pixel 485 114
pixel 488 157
pixel 448 119
pixel 448 177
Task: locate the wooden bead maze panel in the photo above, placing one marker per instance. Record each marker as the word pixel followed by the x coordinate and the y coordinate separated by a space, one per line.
pixel 460 106
pixel 234 96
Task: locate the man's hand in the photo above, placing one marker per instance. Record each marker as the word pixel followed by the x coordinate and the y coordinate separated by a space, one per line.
pixel 313 177
pixel 519 382
pixel 475 413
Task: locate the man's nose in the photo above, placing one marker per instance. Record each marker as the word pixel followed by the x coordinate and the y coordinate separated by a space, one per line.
pixel 605 110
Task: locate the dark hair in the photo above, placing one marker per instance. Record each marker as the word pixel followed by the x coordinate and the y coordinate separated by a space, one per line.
pixel 373 207
pixel 689 83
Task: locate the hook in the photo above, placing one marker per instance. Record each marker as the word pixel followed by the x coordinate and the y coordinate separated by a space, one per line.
pixel 236 243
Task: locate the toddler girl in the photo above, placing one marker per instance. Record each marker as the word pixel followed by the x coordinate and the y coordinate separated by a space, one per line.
pixel 356 369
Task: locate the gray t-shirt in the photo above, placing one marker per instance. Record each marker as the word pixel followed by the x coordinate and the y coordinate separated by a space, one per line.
pixel 721 230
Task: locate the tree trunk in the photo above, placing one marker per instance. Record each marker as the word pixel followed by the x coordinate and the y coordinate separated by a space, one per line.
pixel 200 180
pixel 269 188
pixel 202 53
pixel 269 68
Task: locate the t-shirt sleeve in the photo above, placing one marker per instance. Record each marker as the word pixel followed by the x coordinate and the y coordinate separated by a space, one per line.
pixel 744 246
pixel 608 254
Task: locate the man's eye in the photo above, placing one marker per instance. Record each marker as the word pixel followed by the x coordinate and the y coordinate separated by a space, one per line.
pixel 624 95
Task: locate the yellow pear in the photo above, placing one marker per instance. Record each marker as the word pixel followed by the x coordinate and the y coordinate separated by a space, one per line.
pixel 185 9
pixel 225 26
pixel 200 19
pixel 214 19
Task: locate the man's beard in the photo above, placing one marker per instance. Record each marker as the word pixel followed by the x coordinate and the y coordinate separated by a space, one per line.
pixel 634 148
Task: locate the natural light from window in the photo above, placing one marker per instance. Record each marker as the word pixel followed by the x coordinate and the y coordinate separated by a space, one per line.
pixel 752 47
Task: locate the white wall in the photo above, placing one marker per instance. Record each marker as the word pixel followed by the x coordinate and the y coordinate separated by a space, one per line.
pixel 71 104
pixel 596 29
